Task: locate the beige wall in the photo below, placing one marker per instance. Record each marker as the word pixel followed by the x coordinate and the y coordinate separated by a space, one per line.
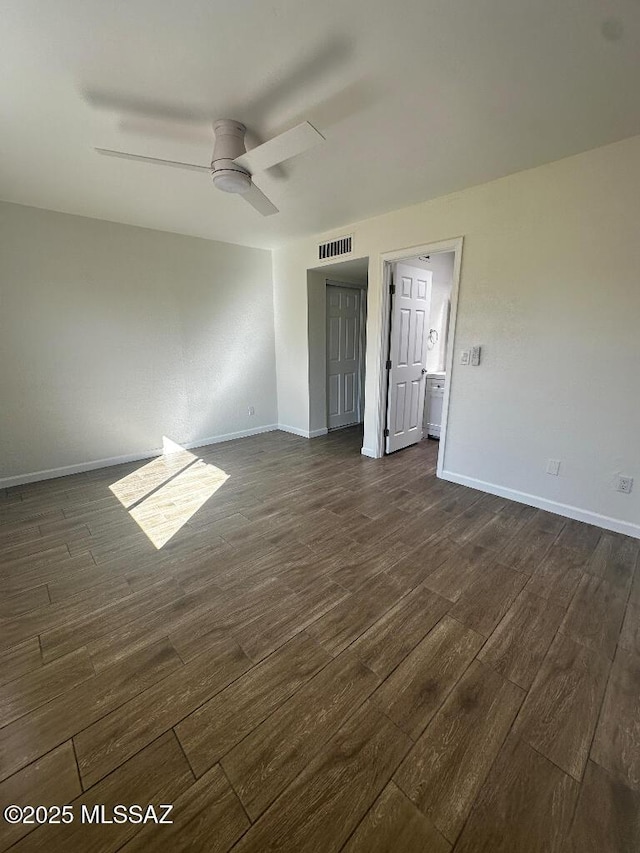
pixel 112 337
pixel 550 287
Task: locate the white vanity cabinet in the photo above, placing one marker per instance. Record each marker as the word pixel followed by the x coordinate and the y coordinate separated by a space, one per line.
pixel 433 404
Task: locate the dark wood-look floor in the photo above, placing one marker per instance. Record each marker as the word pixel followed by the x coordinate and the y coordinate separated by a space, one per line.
pixel 332 653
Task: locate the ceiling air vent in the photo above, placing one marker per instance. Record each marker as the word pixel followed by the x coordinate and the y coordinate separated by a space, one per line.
pixel 334 248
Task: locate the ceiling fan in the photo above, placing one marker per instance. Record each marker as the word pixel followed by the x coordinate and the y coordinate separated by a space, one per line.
pixel 232 166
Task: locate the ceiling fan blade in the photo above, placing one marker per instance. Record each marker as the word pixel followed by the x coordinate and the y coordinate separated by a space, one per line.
pixel 108 152
pixel 258 200
pixel 280 148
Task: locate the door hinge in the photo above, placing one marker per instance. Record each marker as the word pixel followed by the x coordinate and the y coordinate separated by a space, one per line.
pixel 386 433
pixel 388 365
pixel 392 289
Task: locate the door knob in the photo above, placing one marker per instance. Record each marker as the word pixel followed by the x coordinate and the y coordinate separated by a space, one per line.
pixel 424 370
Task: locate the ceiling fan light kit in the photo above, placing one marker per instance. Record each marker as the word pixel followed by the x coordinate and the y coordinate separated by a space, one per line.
pixel 232 166
pixel 231 180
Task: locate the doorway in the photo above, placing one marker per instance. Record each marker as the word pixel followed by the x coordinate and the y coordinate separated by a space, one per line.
pixel 419 300
pixel 344 355
pixel 336 378
pixel 410 317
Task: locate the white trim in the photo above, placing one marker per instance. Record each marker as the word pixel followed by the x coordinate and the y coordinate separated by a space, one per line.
pixel 303 433
pixel 448 364
pixel 566 510
pixel 386 259
pixel 230 436
pixel 367 451
pixel 364 308
pixel 383 379
pixel 316 433
pixel 81 467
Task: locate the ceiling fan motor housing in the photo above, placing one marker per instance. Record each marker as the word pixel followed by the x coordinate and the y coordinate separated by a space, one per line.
pixel 227 175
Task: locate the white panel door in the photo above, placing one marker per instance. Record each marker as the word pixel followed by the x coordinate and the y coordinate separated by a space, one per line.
pixel 410 303
pixel 343 356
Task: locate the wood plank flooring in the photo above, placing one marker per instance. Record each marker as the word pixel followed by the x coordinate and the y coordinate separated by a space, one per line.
pixel 327 653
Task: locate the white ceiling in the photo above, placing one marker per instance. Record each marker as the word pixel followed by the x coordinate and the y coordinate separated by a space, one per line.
pixel 417 98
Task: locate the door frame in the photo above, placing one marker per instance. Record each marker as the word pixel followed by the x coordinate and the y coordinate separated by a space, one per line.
pixel 362 345
pixel 387 259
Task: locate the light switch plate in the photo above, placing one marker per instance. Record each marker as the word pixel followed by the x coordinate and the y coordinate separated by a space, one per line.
pixel 553 467
pixel 465 356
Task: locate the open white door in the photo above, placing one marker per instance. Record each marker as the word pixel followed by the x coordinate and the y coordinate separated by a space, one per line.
pixel 343 356
pixel 407 365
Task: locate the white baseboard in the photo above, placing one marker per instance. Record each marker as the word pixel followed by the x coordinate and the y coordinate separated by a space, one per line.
pixel 367 451
pixel 315 433
pixel 566 510
pixel 230 436
pixel 303 433
pixel 81 467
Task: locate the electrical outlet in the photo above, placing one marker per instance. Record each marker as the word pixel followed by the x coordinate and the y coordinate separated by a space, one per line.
pixel 465 356
pixel 625 485
pixel 252 411
pixel 553 467
pixel 475 356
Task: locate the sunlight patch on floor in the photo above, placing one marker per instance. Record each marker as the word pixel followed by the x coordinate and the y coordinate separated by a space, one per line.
pixel 166 492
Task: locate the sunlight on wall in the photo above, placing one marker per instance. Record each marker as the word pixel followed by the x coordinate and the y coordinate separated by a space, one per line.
pixel 166 492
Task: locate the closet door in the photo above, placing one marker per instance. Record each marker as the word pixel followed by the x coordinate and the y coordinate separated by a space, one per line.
pixel 343 356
